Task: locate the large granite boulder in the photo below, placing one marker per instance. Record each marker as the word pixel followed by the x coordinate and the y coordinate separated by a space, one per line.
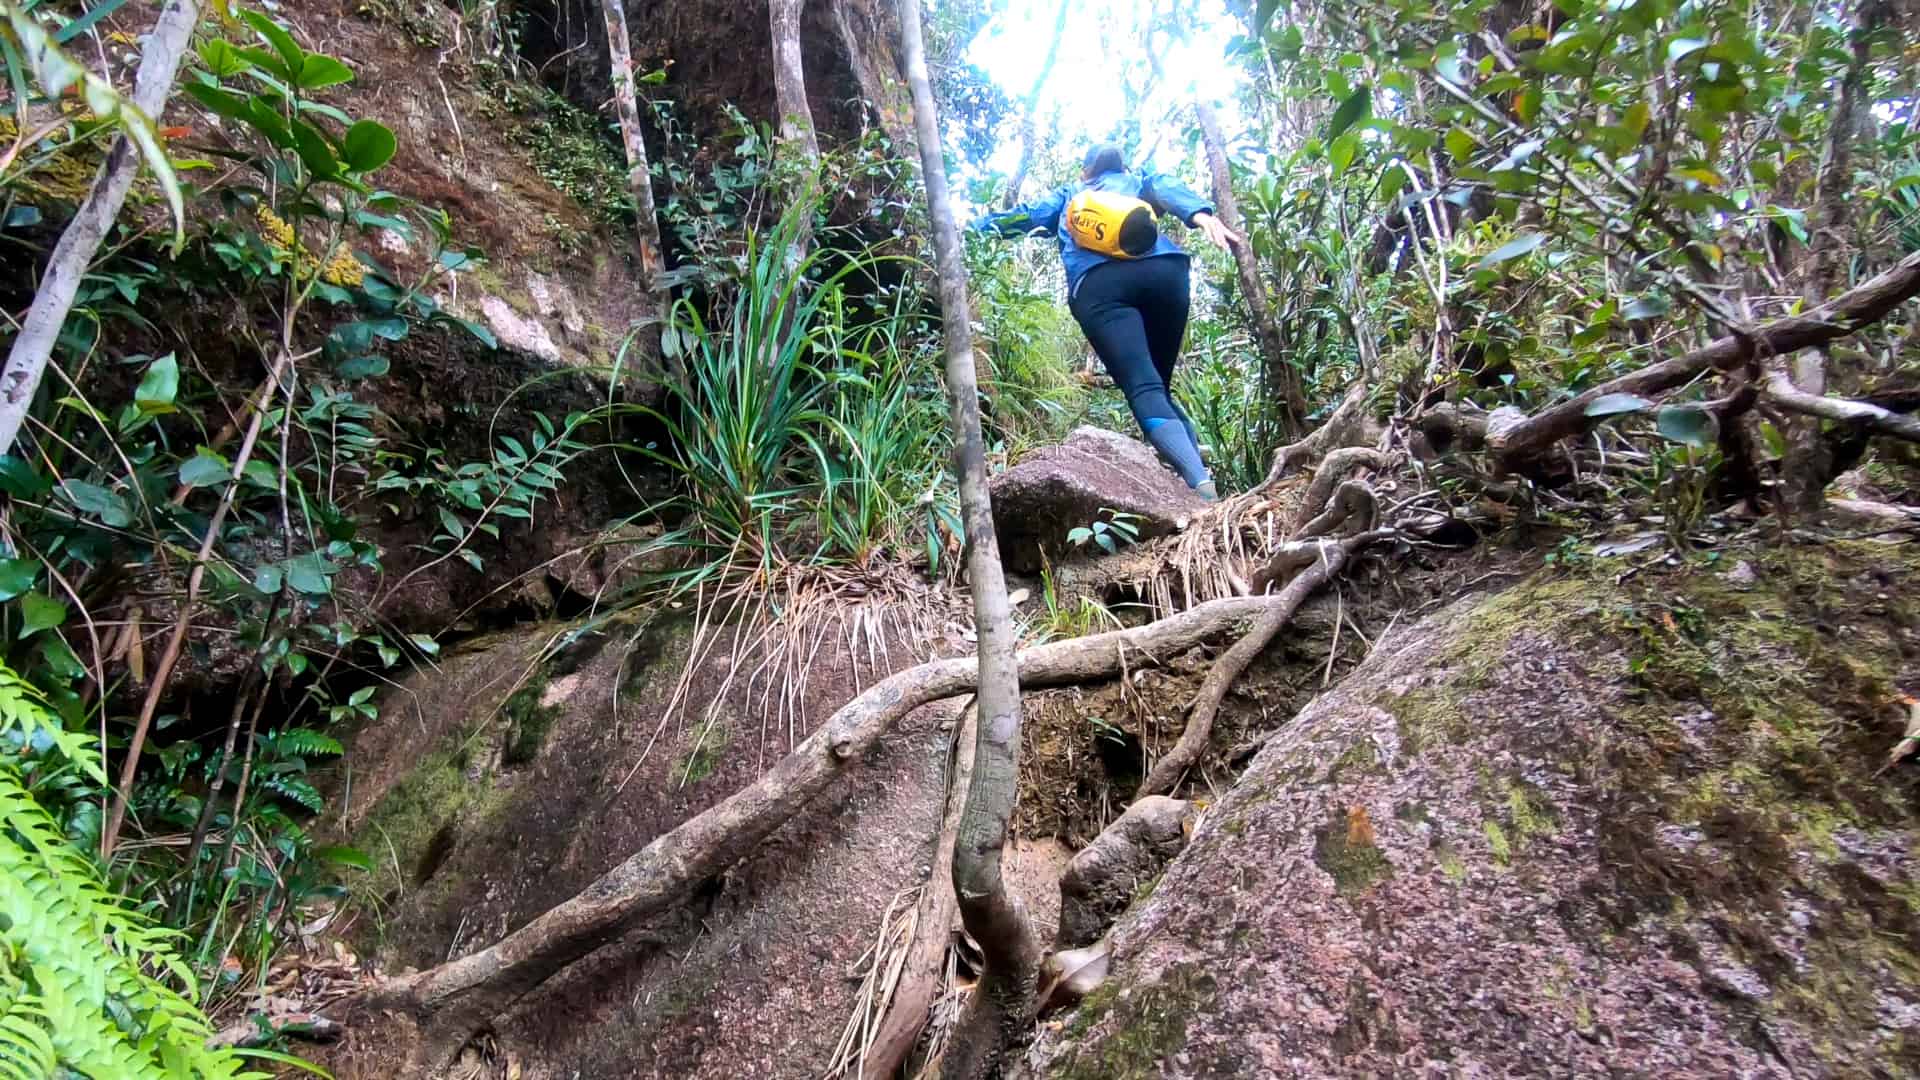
pixel 1091 476
pixel 1584 828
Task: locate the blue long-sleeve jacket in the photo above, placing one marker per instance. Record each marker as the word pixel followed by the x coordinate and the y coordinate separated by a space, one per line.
pixel 1165 194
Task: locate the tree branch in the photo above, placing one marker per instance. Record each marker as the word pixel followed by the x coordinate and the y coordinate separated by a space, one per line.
pixel 1781 391
pixel 1516 442
pixel 27 360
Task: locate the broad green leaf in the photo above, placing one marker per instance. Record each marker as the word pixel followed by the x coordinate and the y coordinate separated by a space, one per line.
pixel 371 366
pixel 319 71
pixel 479 331
pixel 1639 114
pixel 367 146
pixel 205 469
pixel 1615 404
pixel 1513 249
pixel 1262 14
pixel 18 479
pixel 1680 48
pixel 1460 145
pixel 311 574
pixel 260 474
pixel 17 576
pixel 159 387
pixel 107 505
pixel 1341 152
pixel 38 612
pixel 1911 179
pixel 221 59
pixel 344 856
pixel 1527 105
pixel 314 150
pixel 394 329
pixel 278 37
pixel 268 579
pixel 1651 306
pixel 266 67
pixel 425 643
pixel 1691 425
pixel 1355 108
pixel 1775 442
pixel 220 102
pixel 267 121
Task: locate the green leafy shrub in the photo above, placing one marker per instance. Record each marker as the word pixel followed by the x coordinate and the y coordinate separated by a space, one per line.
pixel 89 984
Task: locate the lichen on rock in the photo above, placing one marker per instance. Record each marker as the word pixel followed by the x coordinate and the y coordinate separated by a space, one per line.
pixel 1593 823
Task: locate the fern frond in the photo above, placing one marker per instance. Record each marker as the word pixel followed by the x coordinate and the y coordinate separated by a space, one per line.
pixel 76 996
pixel 296 790
pixel 26 1048
pixel 24 710
pixel 305 742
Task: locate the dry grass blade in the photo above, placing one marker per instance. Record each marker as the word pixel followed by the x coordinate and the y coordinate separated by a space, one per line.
pixel 880 969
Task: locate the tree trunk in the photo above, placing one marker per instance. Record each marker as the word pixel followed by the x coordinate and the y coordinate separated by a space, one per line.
pixel 1029 129
pixel 1280 375
pixel 798 162
pixel 1002 999
pixel 639 174
pixel 862 35
pixel 27 361
pixel 1808 459
pixel 790 82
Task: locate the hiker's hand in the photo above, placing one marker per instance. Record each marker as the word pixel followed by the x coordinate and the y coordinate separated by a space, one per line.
pixel 1223 238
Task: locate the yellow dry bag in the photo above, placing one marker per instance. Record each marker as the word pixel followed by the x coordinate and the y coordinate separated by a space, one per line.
pixel 1111 224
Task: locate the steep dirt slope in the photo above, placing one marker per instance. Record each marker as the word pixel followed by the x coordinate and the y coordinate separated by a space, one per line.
pixel 499 785
pixel 1586 826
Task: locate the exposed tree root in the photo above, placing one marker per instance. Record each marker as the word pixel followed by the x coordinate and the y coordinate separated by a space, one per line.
pixel 455 1000
pixel 1334 469
pixel 1876 517
pixel 1346 426
pixel 924 971
pixel 1102 879
pixel 1329 556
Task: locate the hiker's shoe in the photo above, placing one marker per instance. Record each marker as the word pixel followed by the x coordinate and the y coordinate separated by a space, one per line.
pixel 1207 491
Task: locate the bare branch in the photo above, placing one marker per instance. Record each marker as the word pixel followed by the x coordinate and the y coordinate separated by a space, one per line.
pixel 1517 442
pixel 1781 391
pixel 27 360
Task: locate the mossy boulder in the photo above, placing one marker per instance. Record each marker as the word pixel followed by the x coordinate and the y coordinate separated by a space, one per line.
pixel 1601 823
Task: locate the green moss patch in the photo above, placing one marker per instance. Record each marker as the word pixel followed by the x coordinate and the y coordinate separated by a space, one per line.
pixel 1346 849
pixel 1136 1030
pixel 528 721
pixel 707 747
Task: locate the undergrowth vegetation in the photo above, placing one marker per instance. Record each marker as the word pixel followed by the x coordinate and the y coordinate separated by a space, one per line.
pixel 219 535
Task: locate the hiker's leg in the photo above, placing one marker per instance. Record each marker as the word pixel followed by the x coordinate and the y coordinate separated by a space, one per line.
pixel 1165 299
pixel 1115 327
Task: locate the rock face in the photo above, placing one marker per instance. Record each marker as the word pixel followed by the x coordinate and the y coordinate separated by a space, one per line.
pixel 1090 475
pixel 1578 829
pixel 524 766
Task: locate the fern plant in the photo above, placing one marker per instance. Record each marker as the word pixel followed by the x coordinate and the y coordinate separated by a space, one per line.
pixel 88 983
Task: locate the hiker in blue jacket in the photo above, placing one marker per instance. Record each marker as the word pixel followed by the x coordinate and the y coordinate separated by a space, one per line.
pixel 1128 287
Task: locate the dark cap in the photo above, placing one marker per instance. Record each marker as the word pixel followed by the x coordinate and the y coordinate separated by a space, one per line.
pixel 1103 159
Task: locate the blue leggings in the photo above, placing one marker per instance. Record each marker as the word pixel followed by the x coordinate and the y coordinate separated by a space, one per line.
pixel 1135 315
